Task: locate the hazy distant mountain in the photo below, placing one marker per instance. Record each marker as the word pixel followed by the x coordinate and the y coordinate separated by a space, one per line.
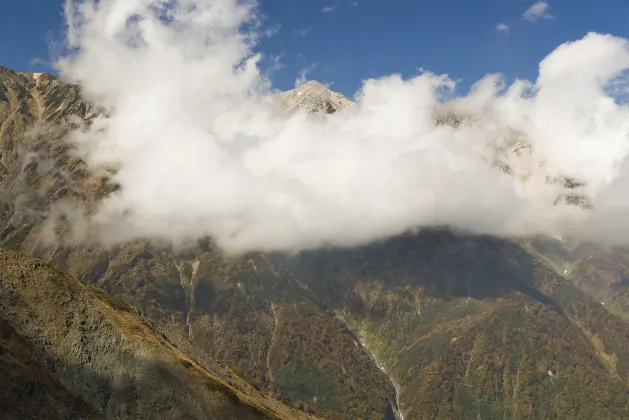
pixel 423 326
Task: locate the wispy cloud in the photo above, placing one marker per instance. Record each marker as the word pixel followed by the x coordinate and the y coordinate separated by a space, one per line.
pixel 353 4
pixel 328 9
pixel 271 31
pixel 539 10
pixel 302 31
pixel 302 77
pixel 275 62
pixel 35 61
pixel 502 27
pixel 619 88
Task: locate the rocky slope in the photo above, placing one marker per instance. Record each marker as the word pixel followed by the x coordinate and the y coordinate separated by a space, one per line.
pixel 97 358
pixel 432 325
pixel 600 271
pixel 314 98
pixel 28 390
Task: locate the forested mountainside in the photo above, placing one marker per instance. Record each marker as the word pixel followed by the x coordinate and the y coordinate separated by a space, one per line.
pixel 428 325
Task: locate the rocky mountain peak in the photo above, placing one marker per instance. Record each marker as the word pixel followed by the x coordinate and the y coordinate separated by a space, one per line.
pixel 314 84
pixel 314 98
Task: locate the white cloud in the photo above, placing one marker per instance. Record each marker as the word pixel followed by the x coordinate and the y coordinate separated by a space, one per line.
pixel 302 77
pixel 35 61
pixel 539 10
pixel 353 4
pixel 502 27
pixel 201 148
pixel 303 31
pixel 269 32
pixel 274 62
pixel 328 9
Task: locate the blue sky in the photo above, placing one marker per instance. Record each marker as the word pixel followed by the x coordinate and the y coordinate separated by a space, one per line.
pixel 346 41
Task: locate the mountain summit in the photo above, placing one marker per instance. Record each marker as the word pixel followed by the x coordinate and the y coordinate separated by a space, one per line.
pixel 314 97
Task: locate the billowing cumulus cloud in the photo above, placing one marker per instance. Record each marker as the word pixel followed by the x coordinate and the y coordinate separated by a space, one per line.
pixel 202 148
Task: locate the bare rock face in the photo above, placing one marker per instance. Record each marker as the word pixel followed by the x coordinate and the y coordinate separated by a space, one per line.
pixel 314 98
pixel 30 391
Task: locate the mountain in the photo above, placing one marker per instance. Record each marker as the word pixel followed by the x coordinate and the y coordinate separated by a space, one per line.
pixel 428 325
pixel 248 313
pixel 69 350
pixel 471 327
pixel 601 271
pixel 314 98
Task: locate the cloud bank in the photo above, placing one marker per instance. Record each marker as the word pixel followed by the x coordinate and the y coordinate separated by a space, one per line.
pixel 202 148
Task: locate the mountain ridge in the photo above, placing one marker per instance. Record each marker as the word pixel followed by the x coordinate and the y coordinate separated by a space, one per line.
pixel 75 329
pixel 461 326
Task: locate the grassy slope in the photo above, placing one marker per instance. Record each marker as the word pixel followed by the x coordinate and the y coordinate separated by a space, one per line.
pixel 100 350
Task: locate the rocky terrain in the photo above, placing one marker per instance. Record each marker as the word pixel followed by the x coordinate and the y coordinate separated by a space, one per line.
pixel 69 350
pixel 423 326
pixel 600 271
pixel 313 98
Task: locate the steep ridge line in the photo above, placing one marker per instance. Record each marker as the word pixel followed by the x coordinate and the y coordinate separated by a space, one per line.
pixel 74 327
